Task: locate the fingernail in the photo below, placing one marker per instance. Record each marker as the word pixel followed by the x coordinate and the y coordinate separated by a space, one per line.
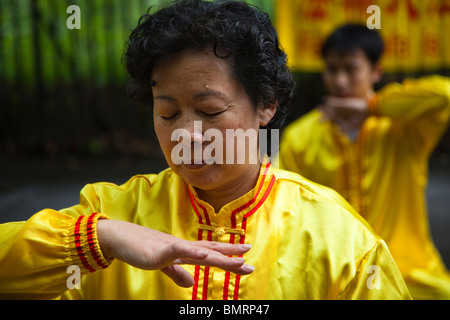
pixel 248 268
pixel 246 246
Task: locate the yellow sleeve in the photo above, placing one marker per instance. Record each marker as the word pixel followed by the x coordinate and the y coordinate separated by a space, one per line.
pixel 423 105
pixel 287 157
pixel 35 254
pixel 377 278
pixel 296 135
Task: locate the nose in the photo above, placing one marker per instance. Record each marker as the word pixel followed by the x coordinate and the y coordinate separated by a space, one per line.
pixel 192 132
pixel 195 132
pixel 195 143
pixel 341 80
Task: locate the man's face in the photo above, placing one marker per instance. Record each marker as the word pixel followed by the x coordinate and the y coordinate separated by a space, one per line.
pixel 350 74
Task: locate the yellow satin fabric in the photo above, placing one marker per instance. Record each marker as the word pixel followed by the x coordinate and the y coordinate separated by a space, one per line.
pixel 308 243
pixel 383 173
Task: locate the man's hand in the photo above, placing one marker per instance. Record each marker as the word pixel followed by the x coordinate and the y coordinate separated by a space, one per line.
pixel 348 113
pixel 149 249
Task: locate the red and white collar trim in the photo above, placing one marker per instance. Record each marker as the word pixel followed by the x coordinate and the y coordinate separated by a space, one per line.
pixel 235 224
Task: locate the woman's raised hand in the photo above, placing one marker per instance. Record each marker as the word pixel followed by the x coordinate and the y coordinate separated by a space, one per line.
pixel 149 249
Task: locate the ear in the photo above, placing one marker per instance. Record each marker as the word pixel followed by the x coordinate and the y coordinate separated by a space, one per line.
pixel 266 112
pixel 377 73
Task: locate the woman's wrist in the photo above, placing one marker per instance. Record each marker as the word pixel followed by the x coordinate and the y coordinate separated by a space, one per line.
pixel 103 239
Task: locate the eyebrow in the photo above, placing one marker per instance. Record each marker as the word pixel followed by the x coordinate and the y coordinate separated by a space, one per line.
pixel 164 97
pixel 198 96
pixel 209 93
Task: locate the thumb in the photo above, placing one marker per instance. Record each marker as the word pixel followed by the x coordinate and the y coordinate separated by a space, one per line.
pixel 180 276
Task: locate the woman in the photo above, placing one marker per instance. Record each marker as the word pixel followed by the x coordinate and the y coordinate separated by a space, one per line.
pixel 218 64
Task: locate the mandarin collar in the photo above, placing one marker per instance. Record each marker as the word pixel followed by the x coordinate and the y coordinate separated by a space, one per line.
pixel 231 216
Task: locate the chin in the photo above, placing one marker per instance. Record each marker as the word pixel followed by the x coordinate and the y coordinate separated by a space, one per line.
pixel 203 177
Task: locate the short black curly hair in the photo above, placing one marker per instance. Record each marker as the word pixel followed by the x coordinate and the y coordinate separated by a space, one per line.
pixel 243 32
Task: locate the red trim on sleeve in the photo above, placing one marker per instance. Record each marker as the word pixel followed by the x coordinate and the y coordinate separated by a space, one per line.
pixel 78 245
pixel 91 242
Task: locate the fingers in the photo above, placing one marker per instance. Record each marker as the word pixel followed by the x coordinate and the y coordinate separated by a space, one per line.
pixel 179 250
pixel 243 270
pixel 346 104
pixel 206 253
pixel 184 279
pixel 235 265
pixel 180 276
pixel 336 102
pixel 224 248
pixel 328 113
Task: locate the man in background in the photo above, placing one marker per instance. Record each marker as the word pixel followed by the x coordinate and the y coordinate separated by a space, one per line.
pixel 374 147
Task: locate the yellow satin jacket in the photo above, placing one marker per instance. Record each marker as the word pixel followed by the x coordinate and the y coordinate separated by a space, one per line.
pixel 383 172
pixel 307 243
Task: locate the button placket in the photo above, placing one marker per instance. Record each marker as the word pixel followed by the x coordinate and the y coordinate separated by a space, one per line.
pixel 220 231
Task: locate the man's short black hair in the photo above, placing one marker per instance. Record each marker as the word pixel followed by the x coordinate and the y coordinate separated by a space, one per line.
pixel 351 37
pixel 244 33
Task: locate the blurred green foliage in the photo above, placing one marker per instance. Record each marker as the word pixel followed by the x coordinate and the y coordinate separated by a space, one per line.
pixel 63 91
pixel 36 45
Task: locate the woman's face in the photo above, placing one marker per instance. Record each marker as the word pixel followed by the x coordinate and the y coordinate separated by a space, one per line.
pixel 196 86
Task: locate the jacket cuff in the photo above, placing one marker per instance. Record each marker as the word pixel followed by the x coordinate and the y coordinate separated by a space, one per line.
pixel 84 247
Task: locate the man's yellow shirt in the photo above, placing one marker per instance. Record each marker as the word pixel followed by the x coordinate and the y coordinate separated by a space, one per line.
pixel 307 243
pixel 383 173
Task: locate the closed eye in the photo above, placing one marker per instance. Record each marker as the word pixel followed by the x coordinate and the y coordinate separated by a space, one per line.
pixel 169 117
pixel 214 114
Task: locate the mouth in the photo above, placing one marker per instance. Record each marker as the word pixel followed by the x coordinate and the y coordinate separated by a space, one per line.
pixel 195 166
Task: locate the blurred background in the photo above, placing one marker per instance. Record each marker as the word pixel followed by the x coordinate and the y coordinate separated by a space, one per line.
pixel 65 119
